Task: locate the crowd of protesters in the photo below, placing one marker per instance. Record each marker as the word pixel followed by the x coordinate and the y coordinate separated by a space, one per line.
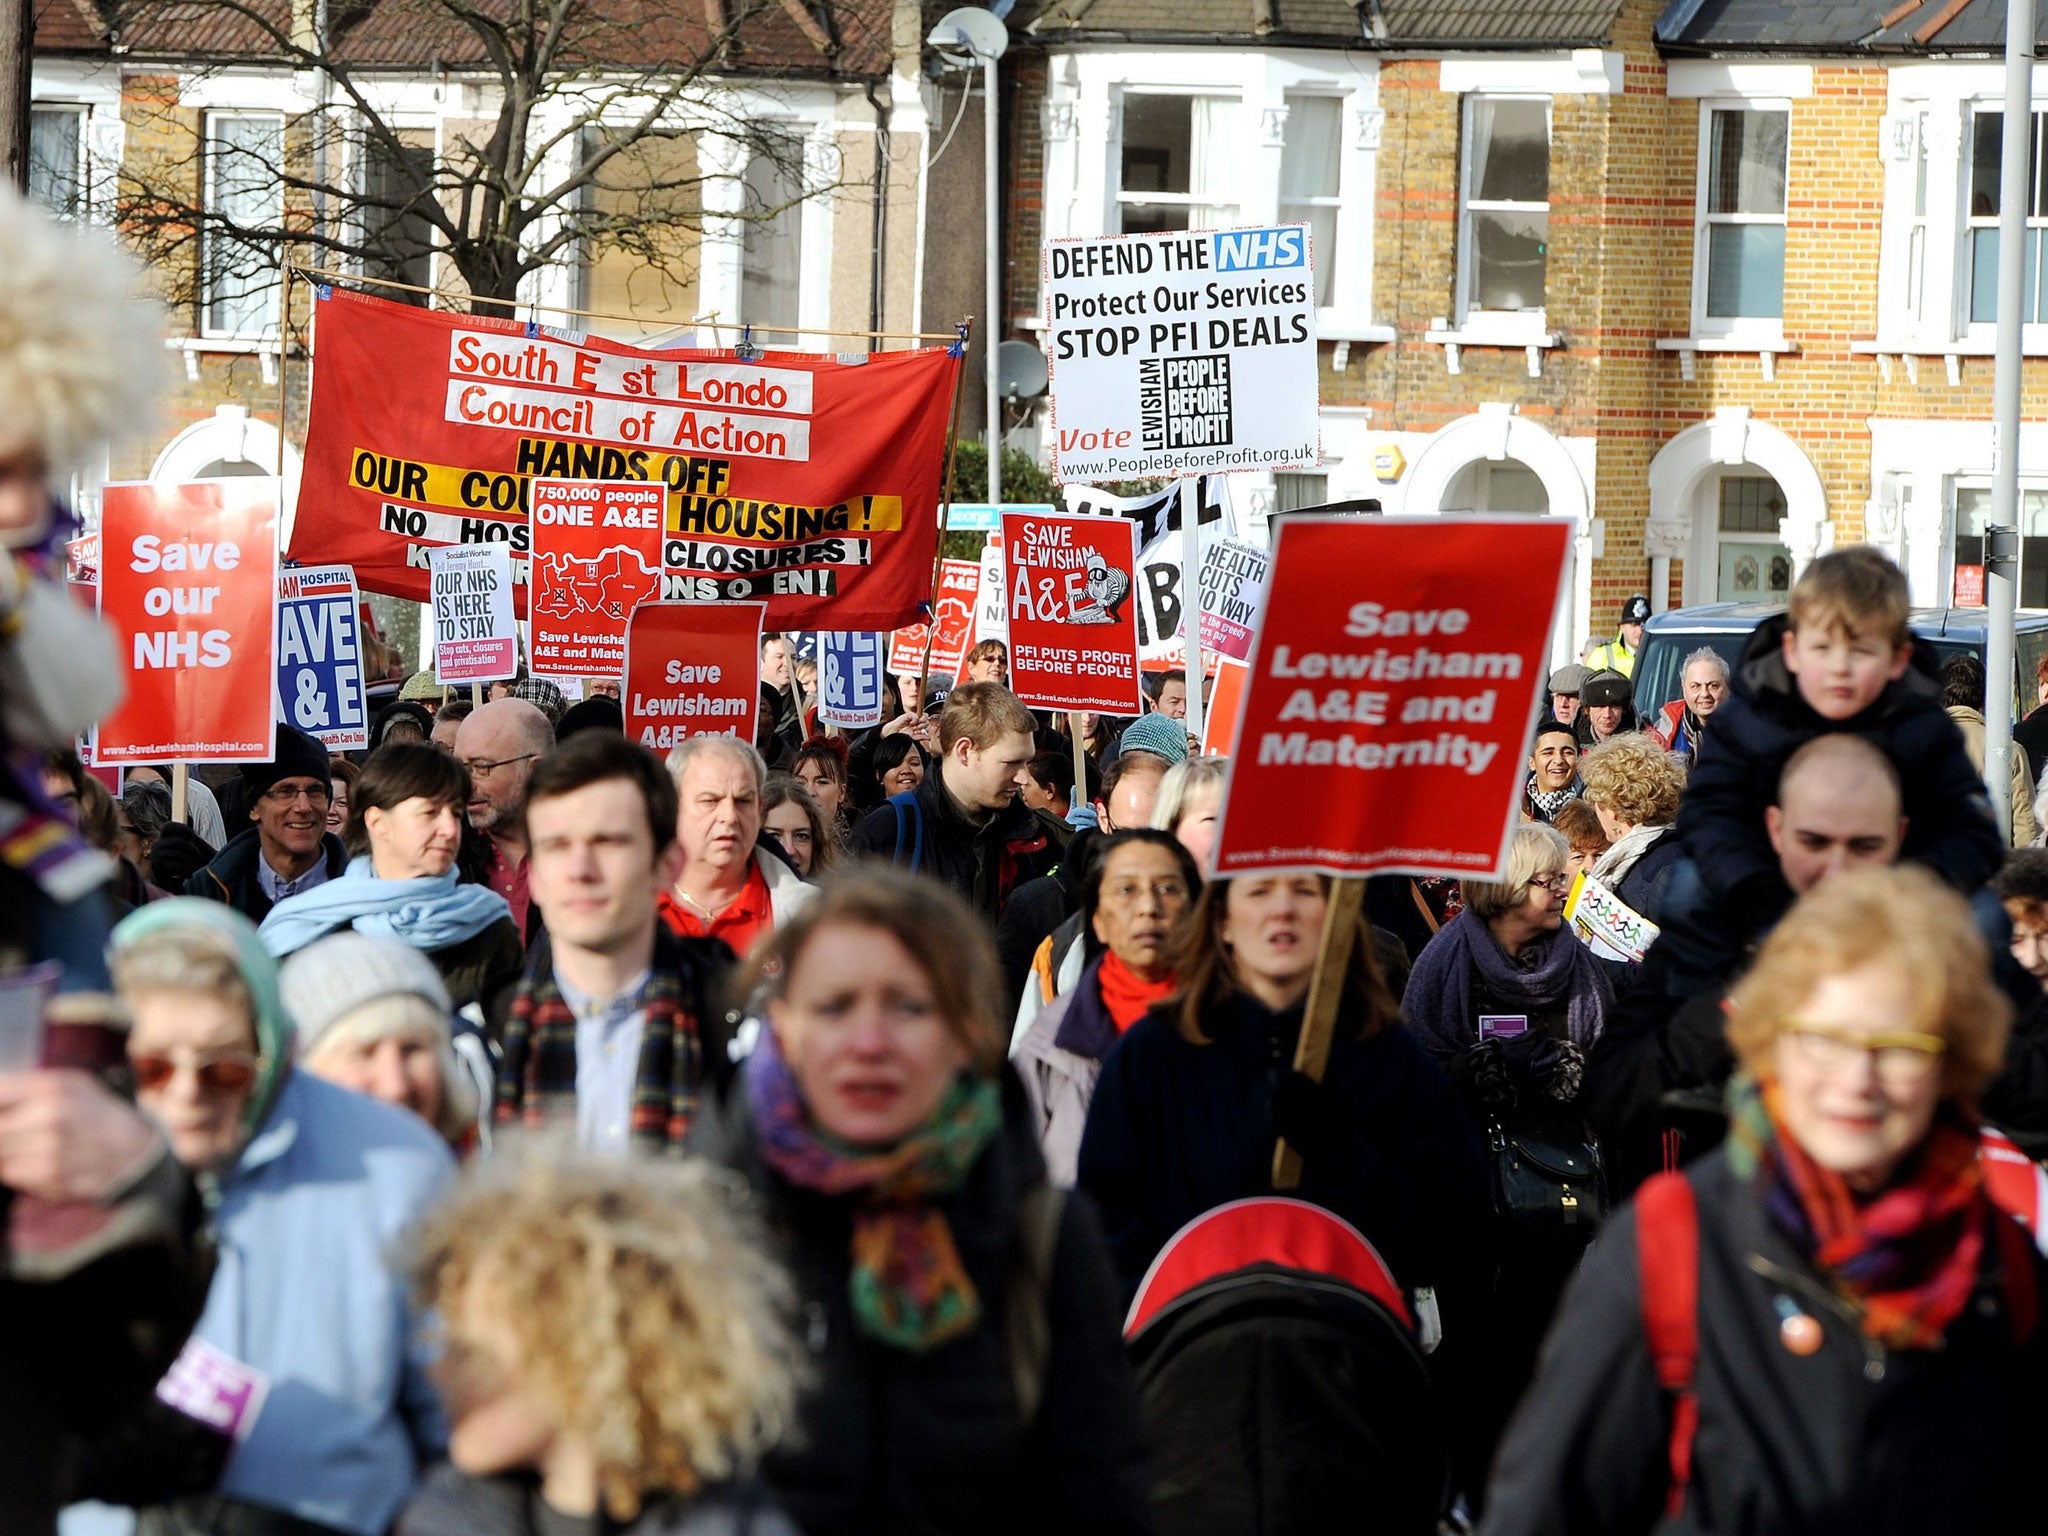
pixel 505 1130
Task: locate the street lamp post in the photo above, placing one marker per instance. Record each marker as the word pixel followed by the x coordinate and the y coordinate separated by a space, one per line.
pixel 964 38
pixel 2000 539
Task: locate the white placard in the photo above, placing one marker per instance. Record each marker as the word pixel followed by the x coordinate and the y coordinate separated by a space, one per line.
pixel 475 638
pixel 1182 353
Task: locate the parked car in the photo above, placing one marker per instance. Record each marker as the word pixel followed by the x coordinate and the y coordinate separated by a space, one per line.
pixel 1671 637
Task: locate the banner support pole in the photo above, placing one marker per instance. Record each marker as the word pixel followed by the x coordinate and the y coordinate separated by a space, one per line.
pixel 1191 599
pixel 476 695
pixel 1325 994
pixel 284 321
pixel 181 791
pixel 924 669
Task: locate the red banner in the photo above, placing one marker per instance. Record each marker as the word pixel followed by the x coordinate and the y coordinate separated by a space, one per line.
pixel 1391 695
pixel 793 478
pixel 596 557
pixel 692 669
pixel 1070 583
pixel 959 582
pixel 189 583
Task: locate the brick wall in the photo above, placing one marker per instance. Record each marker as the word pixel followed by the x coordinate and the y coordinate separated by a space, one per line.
pixel 1624 172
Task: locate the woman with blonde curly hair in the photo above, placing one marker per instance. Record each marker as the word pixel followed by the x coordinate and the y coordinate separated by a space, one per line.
pixel 1866 1353
pixel 1634 786
pixel 616 1354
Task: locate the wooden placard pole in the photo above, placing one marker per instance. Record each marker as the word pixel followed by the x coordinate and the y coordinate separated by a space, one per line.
pixel 476 695
pixel 1080 760
pixel 1325 994
pixel 181 792
pixel 1191 600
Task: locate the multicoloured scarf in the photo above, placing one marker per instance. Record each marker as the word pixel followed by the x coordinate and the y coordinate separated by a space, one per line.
pixel 537 1065
pixel 1907 1258
pixel 907 1284
pixel 1126 994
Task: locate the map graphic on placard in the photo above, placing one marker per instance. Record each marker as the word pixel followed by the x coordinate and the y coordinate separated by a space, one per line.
pixel 610 586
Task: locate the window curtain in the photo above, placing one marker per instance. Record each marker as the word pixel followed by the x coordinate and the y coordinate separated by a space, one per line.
pixel 1212 156
pixel 1479 143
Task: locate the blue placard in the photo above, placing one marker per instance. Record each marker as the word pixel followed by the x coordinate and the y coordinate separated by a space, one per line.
pixel 850 678
pixel 320 656
pixel 980 517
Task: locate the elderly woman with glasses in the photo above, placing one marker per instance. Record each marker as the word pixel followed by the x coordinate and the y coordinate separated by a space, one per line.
pixel 1849 1333
pixel 1509 1001
pixel 304 1399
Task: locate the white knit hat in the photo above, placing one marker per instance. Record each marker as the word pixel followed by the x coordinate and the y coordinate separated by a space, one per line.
pixel 330 979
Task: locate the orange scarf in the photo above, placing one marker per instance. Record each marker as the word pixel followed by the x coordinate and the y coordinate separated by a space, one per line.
pixel 1126 994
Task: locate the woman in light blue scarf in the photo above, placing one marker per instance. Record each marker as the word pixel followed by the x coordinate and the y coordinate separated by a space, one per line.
pixel 405 827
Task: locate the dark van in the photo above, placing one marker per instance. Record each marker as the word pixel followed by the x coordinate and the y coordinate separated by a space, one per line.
pixel 1726 627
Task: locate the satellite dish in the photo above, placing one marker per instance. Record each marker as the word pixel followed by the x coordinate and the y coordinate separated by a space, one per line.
pixel 1020 371
pixel 969 36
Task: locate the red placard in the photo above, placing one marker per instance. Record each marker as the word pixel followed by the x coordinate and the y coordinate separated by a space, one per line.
pixel 692 669
pixel 959 583
pixel 1219 714
pixel 189 582
pixel 1969 586
pixel 1391 695
pixel 1070 584
pixel 791 477
pixel 596 557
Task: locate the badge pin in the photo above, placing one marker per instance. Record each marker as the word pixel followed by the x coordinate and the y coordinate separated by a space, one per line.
pixel 1800 1333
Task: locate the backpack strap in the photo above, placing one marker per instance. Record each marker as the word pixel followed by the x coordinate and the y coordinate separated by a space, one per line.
pixel 909 813
pixel 1668 1257
pixel 1027 1321
pixel 2016 1271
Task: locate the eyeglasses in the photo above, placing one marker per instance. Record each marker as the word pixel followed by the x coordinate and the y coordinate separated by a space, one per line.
pixel 219 1072
pixel 288 794
pixel 485 770
pixel 1555 884
pixel 1901 1056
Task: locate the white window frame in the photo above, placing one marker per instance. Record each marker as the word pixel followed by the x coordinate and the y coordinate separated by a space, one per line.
pixel 1920 223
pixel 2030 485
pixel 798 134
pixel 1716 537
pixel 1985 331
pixel 1468 310
pixel 83 170
pixel 1230 204
pixel 208 193
pixel 1082 156
pixel 1334 201
pixel 358 169
pixel 1762 329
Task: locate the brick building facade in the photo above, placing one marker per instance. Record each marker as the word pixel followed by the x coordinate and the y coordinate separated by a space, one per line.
pixel 1712 289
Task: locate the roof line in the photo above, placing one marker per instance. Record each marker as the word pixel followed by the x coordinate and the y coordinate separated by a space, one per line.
pixel 1947 14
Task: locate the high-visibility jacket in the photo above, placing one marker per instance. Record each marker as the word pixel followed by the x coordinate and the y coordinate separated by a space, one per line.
pixel 1615 656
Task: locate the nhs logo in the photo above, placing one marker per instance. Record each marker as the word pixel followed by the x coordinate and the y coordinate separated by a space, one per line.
pixel 1245 250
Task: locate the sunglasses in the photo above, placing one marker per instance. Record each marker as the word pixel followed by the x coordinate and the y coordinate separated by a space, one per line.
pixel 219 1072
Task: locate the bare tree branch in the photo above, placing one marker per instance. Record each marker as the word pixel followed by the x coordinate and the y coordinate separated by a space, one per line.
pixel 577 146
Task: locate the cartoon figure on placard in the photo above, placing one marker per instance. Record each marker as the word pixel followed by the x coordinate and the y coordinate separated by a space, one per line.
pixel 1107 590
